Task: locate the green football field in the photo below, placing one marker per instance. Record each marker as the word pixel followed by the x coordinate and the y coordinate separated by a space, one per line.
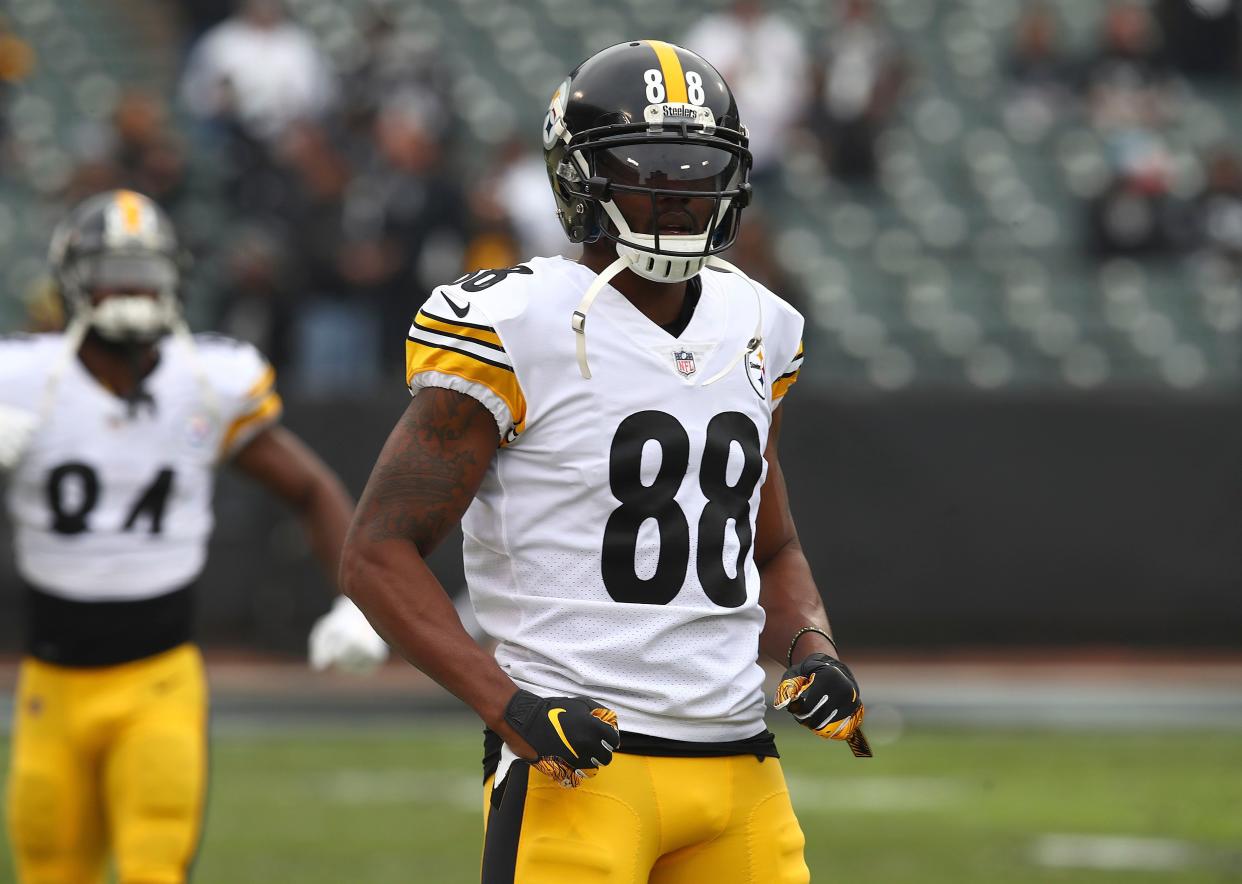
pixel 389 804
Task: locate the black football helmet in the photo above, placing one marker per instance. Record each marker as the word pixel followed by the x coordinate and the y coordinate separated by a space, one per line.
pixel 644 147
pixel 116 263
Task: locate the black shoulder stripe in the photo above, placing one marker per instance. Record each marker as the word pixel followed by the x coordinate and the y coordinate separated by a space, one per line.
pixel 474 356
pixel 474 325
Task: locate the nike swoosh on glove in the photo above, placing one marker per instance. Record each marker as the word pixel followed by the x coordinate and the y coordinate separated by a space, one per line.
pixel 573 736
pixel 343 638
pixel 823 695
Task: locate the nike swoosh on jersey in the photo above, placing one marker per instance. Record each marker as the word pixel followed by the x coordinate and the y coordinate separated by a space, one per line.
pixel 460 311
pixel 554 716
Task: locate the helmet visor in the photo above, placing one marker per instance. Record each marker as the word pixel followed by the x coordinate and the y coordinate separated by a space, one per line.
pixel 120 272
pixel 670 188
pixel 696 168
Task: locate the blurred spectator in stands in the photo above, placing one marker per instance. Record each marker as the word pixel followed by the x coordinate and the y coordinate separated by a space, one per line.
pixel 1203 37
pixel 271 262
pixel 200 16
pixel 517 184
pixel 407 221
pixel 148 152
pixel 311 203
pixel 260 303
pixel 395 63
pixel 134 147
pixel 300 216
pixel 860 74
pixel 1135 215
pixel 1128 83
pixel 1040 77
pixel 16 62
pixel 753 250
pixel 763 58
pixel 91 174
pixel 251 177
pixel 1216 212
pixel 258 69
pixel 493 240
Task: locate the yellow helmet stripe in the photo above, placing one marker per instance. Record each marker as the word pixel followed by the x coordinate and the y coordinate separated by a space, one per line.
pixel 674 76
pixel 131 210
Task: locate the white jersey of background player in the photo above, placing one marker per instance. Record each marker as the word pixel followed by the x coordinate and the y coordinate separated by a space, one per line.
pixel 111 500
pixel 112 432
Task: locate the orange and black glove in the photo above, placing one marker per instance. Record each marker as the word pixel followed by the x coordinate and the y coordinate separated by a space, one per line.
pixel 823 695
pixel 574 736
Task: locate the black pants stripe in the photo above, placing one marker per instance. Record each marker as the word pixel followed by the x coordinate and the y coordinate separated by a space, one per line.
pixel 504 827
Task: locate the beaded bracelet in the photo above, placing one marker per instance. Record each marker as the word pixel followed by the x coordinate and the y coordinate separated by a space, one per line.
pixel 803 631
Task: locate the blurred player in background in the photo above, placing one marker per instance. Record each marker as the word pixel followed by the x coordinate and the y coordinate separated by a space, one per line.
pixel 628 539
pixel 113 431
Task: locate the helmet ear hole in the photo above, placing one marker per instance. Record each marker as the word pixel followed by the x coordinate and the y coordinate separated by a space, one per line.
pixel 583 223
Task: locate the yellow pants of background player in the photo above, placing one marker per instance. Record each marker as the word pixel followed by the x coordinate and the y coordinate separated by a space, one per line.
pixel 109 760
pixel 647 819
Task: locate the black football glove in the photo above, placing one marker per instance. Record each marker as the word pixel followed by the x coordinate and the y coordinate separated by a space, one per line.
pixel 574 736
pixel 823 695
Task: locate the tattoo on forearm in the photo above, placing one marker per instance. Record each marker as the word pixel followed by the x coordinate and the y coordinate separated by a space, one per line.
pixel 424 481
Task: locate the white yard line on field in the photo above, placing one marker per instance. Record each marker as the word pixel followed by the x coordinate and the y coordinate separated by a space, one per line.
pixel 359 786
pixel 881 794
pixel 1115 852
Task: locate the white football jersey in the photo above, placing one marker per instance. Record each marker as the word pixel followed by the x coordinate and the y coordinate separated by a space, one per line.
pixel 609 548
pixel 109 505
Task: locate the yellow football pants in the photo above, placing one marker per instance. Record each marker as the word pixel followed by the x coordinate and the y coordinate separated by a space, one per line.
pixel 647 820
pixel 106 761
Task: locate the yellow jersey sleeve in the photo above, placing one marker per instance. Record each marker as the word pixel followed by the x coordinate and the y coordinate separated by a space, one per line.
pixel 261 408
pixel 788 377
pixel 451 344
pixel 245 384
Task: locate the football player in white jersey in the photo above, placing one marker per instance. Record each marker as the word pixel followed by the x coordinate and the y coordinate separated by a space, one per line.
pixel 112 433
pixel 605 430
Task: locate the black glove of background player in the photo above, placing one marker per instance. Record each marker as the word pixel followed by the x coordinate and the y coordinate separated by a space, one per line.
pixel 573 736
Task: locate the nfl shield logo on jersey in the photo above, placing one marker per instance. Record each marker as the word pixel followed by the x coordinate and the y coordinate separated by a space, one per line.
pixel 199 429
pixel 684 360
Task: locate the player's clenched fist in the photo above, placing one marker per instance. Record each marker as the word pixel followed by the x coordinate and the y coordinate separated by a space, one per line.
pixel 823 695
pixel 573 736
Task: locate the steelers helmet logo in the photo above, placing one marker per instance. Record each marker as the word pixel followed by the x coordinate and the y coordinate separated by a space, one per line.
pixel 554 121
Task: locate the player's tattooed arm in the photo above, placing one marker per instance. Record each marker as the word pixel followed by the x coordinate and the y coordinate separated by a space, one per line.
pixel 787 591
pixel 429 471
pixel 427 474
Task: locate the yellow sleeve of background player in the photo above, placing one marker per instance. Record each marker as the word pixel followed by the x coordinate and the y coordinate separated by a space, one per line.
pixel 461 351
pixel 788 377
pixel 254 406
